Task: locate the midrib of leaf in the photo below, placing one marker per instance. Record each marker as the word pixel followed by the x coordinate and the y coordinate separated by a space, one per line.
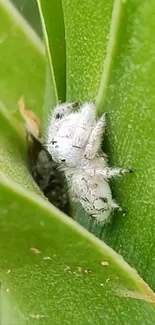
pixel 111 49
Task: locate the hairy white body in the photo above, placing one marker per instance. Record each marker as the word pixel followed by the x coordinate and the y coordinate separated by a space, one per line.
pixel 74 142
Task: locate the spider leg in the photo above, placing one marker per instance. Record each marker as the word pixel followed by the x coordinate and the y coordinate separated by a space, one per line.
pixel 95 139
pixel 85 123
pixel 117 207
pixel 107 172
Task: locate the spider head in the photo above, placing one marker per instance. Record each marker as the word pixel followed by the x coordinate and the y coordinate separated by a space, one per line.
pixel 59 113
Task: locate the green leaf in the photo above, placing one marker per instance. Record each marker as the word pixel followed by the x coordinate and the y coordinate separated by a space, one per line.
pixel 54 36
pixel 22 61
pixel 87 26
pixel 22 66
pixel 130 100
pixel 52 270
pixel 64 281
pixel 127 92
pixel 30 12
pixel 13 161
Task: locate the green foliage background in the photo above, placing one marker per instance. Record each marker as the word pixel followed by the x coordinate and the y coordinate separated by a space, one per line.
pixel 94 50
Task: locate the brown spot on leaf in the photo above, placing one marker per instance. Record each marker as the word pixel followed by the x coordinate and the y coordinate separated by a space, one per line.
pixel 32 121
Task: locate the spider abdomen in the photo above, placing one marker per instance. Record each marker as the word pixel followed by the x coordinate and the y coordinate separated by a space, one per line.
pixel 93 193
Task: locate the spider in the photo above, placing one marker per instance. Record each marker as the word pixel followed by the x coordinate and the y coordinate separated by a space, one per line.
pixel 74 141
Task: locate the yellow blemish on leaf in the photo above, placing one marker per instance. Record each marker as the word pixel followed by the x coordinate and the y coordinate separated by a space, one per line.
pixel 135 295
pixel 35 250
pixel 104 263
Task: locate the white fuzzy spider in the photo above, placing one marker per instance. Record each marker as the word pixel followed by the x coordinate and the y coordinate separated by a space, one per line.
pixel 74 141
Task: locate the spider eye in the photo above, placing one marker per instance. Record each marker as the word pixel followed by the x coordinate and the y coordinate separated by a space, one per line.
pixel 58 116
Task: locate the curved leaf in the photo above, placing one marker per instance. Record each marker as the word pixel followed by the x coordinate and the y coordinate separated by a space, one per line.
pixel 130 100
pixel 22 61
pixel 87 26
pixel 13 162
pixel 30 12
pixel 127 92
pixel 54 271
pixel 53 29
